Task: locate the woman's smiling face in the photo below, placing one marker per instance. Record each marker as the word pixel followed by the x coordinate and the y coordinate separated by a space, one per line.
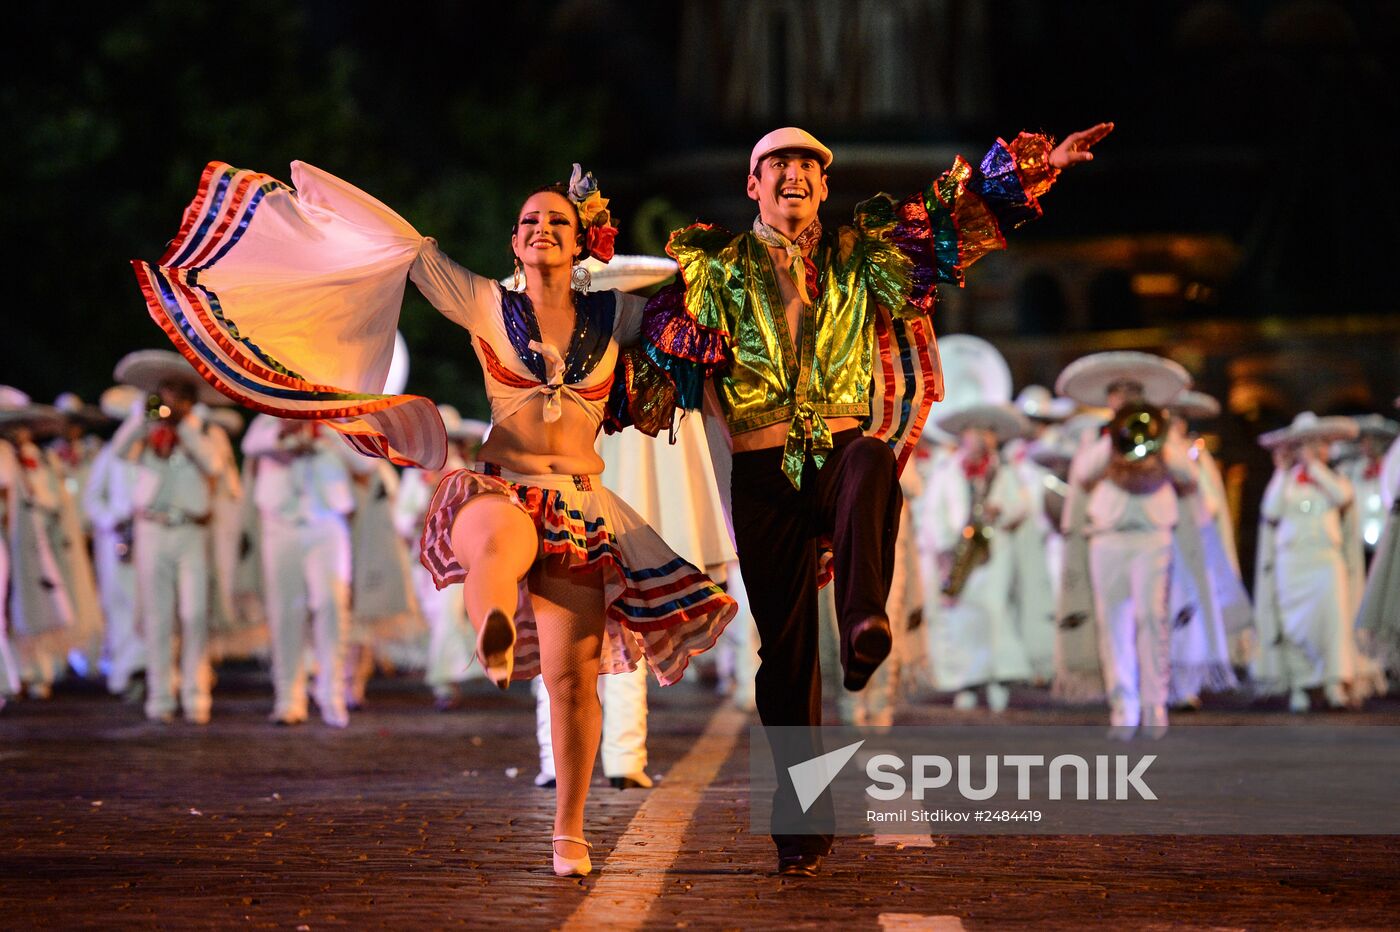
pixel 546 232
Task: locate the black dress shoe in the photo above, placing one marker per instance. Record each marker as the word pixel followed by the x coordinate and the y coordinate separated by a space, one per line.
pixel 628 783
pixel 799 865
pixel 870 643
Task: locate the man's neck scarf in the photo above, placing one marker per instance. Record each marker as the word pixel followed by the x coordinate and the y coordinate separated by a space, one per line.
pixel 802 269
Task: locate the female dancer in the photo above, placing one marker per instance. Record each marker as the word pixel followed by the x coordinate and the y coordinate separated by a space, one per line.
pixel 561 577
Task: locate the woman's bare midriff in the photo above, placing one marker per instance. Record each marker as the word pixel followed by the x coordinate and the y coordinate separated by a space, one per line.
pixel 525 443
pixel 775 435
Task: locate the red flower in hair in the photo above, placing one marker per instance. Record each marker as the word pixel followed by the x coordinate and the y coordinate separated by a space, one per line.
pixel 600 242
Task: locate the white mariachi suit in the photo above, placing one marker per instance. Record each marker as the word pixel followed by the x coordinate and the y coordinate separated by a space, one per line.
pixel 450 646
pixel 40 612
pixel 107 494
pixel 1130 542
pixel 10 680
pixel 1203 622
pixel 672 487
pixel 383 609
pixel 1306 582
pixel 1371 506
pixel 1379 614
pixel 171 502
pixel 974 640
pixel 303 502
pixel 233 631
pixel 69 464
pixel 1039 552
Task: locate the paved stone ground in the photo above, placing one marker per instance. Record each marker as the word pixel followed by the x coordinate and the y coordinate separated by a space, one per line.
pixel 412 819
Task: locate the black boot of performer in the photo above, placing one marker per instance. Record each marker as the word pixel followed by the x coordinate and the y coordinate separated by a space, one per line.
pixel 854 501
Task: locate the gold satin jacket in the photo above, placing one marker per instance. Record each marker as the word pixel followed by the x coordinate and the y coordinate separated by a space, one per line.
pixel 892 255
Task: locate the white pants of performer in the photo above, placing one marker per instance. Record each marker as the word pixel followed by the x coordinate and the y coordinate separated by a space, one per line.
pixel 1319 645
pixel 172 565
pixel 116 585
pixel 624 697
pixel 9 667
pixel 736 654
pixel 975 640
pixel 450 648
pixel 306 576
pixel 1130 575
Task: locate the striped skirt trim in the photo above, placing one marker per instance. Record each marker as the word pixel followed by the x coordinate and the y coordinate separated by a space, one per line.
pixel 658 608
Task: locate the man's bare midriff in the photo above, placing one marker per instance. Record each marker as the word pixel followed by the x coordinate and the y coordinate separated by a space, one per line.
pixel 525 443
pixel 775 435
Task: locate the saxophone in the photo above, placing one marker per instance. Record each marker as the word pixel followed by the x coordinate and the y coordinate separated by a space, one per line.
pixel 974 547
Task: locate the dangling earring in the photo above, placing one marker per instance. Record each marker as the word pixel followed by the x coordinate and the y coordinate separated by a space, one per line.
pixel 515 279
pixel 580 278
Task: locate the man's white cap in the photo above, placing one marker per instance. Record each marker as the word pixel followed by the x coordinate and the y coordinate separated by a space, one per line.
pixel 789 137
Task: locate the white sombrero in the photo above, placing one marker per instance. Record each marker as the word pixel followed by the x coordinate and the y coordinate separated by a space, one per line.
pixel 17 408
pixel 1003 420
pixel 624 273
pixel 1308 426
pixel 147 369
pixel 1195 406
pixel 1087 380
pixel 117 401
pixel 74 408
pixel 227 418
pixel 1035 401
pixel 461 428
pixel 1377 426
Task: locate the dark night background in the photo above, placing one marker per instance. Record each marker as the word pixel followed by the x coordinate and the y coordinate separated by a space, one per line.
pixel 1242 217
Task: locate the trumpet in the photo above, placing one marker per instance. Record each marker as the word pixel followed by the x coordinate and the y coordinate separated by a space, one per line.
pixel 1138 432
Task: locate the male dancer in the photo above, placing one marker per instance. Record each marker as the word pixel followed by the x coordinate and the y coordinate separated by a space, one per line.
pixel 797 313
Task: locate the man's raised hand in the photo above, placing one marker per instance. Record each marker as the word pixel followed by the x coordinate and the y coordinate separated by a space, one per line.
pixel 1075 147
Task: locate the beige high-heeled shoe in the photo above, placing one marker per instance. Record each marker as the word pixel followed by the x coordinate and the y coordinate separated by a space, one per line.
pixel 495 646
pixel 571 867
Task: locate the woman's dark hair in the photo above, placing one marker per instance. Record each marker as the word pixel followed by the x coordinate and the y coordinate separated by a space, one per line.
pixel 562 190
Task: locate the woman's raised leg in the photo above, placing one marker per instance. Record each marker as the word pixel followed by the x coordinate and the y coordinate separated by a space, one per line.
pixel 569 618
pixel 495 542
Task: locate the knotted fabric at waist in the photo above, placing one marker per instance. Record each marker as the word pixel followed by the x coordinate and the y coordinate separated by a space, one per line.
pixel 541 480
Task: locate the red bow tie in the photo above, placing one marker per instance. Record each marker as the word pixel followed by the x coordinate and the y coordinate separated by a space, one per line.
pixel 978 469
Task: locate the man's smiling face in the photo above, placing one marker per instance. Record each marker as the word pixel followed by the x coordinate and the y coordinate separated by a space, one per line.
pixel 789 186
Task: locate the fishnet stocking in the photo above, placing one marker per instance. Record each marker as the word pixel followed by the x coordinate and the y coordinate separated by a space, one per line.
pixel 569 618
pixel 497 544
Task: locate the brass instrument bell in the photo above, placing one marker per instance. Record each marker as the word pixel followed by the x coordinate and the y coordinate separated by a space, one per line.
pixel 1138 431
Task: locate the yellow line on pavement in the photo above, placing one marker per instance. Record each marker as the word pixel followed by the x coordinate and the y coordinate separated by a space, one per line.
pixel 635 871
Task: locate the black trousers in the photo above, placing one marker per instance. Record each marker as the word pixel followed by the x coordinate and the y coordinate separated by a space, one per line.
pixel 854 499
